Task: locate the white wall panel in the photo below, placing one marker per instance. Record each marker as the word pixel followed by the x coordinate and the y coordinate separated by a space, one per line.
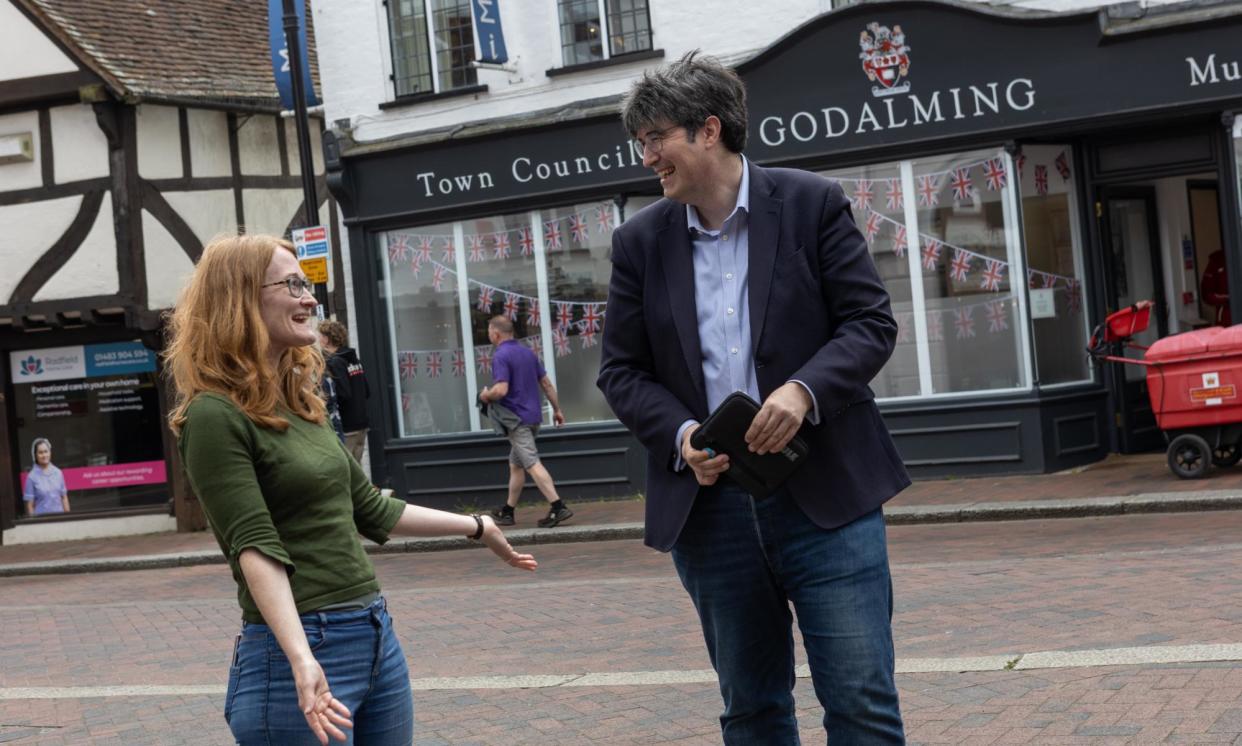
pixel 258 146
pixel 22 175
pixel 92 268
pixel 209 214
pixel 316 147
pixel 29 230
pixel 25 51
pixel 168 266
pixel 209 143
pixel 159 142
pixel 270 210
pixel 79 147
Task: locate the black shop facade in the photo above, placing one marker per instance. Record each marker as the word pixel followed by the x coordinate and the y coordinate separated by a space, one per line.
pixel 1019 175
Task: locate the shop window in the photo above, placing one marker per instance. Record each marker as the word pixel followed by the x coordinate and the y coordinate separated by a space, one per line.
pixel 1055 265
pixel 1237 154
pixel 416 27
pixel 943 234
pixel 546 270
pixel 98 408
pixel 585 24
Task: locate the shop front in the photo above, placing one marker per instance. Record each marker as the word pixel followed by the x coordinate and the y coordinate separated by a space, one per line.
pixel 1018 175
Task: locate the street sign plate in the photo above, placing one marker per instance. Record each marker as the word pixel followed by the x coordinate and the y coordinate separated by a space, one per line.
pixel 316 270
pixel 311 242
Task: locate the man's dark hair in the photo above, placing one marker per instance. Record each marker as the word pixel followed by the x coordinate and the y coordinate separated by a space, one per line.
pixel 501 324
pixel 685 94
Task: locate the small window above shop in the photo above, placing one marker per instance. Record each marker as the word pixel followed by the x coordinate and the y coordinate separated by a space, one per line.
pixel 600 32
pixel 415 28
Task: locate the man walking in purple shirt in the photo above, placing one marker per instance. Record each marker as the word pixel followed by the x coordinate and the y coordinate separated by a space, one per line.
pixel 517 377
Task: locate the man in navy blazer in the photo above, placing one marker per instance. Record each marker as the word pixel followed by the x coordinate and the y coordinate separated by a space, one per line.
pixel 755 279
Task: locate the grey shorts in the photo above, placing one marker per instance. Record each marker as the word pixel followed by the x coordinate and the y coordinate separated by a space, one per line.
pixel 522 440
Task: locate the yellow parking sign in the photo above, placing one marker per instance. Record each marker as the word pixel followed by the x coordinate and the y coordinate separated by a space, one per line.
pixel 316 270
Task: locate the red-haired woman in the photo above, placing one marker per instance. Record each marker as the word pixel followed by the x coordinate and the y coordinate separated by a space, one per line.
pixel 286 504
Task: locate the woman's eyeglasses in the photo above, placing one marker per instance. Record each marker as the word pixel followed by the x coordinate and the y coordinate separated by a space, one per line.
pixel 296 286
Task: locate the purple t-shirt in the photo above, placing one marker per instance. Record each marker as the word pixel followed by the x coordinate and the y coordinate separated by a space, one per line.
pixel 45 489
pixel 521 369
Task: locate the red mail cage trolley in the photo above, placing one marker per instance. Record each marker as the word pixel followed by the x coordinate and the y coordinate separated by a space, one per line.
pixel 1193 380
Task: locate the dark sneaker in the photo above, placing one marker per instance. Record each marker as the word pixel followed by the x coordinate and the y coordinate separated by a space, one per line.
pixel 556 517
pixel 502 517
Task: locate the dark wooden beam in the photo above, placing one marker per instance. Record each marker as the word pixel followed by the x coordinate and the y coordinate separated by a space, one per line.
pixel 55 257
pixel 56 191
pixel 46 161
pixel 43 88
pixel 154 203
pixel 183 124
pixel 239 206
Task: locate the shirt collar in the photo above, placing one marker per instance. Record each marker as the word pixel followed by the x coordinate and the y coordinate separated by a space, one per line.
pixel 743 204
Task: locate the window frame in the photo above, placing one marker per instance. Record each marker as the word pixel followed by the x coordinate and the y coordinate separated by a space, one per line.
pixel 437 91
pixel 609 56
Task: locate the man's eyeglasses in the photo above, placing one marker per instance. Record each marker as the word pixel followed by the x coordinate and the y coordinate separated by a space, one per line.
pixel 295 285
pixel 654 143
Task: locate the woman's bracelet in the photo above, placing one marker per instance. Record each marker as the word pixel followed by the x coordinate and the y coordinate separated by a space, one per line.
pixel 479 533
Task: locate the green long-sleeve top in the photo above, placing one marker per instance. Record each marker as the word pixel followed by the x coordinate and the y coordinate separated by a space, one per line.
pixel 295 496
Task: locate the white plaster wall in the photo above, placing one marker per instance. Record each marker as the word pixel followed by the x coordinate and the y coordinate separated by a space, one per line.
pixel 257 146
pixel 168 266
pixel 270 210
pixel 316 147
pixel 209 214
pixel 92 269
pixel 209 142
pixel 159 142
pixel 22 175
pixel 25 51
pixel 79 147
pixel 29 230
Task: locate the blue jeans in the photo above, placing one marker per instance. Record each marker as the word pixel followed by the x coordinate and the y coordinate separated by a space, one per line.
pixel 366 670
pixel 743 561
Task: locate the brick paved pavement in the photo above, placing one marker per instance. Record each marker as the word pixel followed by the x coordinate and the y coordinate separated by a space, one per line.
pixel 969 589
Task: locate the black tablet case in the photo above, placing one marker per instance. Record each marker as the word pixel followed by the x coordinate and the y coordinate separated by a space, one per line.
pixel 724 431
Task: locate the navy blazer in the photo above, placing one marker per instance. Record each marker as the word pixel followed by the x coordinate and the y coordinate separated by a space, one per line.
pixel 819 313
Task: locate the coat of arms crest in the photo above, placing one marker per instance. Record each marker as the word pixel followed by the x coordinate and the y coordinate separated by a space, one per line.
pixel 885 58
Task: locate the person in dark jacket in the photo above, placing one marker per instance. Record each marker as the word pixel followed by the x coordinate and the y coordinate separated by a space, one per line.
pixel 350 381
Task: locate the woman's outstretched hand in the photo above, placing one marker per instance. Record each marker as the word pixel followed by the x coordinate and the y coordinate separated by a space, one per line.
pixel 324 713
pixel 495 540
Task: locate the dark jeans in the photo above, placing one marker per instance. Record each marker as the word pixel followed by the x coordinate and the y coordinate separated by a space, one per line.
pixel 743 562
pixel 366 670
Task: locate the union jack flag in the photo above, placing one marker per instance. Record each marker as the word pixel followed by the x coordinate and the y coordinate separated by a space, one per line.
pixel 552 235
pixel 437 277
pixel 511 306
pixel 500 245
pixel 929 190
pixel 1050 280
pixel 564 315
pixel 603 218
pixel 903 327
pixel 994 173
pixel 893 199
pixel 408 364
pixel 591 316
pixel 959 268
pixel 962 188
pixel 536 346
pixel 899 241
pixel 1041 179
pixel 398 248
pixel 863 194
pixel 931 253
pixel 405 402
pixel 449 255
pixel 998 317
pixel 478 253
pixel 1074 296
pixel 873 226
pixel 1031 282
pixel 433 365
pixel 560 338
pixel 993 275
pixel 424 249
pixel 483 358
pixel 578 230
pixel 485 299
pixel 1062 164
pixel 1020 161
pixel 532 312
pixel 459 364
pixel 935 327
pixel 416 266
pixel 964 323
pixel 526 242
pixel 587 337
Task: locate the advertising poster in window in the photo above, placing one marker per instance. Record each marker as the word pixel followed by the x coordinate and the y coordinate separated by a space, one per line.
pixel 88 430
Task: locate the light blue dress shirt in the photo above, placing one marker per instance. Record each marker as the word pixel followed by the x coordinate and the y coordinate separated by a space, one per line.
pixel 722 301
